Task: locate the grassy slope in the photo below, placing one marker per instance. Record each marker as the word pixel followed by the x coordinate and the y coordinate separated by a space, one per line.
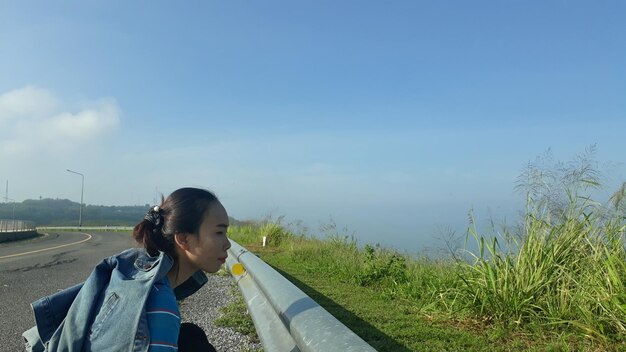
pixel 387 325
pixel 393 322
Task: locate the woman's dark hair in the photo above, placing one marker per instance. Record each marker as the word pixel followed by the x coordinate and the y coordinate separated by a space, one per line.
pixel 182 212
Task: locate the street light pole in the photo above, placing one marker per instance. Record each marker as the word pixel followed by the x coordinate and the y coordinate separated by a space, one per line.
pixel 82 187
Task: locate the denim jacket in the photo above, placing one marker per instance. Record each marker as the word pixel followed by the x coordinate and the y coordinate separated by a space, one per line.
pixel 107 311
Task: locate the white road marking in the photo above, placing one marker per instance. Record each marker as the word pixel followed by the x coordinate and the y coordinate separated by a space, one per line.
pixel 50 248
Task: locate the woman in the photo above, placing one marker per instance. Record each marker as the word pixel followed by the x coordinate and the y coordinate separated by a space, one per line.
pixel 128 303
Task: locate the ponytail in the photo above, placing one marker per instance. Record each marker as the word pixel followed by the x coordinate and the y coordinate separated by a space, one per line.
pixel 149 232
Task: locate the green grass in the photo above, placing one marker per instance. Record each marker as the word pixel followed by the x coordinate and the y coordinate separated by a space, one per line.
pixel 387 325
pixel 235 315
pixel 564 274
pixel 557 286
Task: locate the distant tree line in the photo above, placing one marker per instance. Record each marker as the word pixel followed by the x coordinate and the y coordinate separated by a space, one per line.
pixel 64 212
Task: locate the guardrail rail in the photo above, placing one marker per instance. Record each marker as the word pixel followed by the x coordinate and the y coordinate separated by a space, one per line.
pixel 286 319
pixel 16 225
pixel 15 230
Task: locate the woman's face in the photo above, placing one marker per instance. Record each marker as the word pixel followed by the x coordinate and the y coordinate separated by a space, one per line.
pixel 207 250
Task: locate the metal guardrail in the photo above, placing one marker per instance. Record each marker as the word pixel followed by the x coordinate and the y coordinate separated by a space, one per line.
pixel 285 318
pixel 16 225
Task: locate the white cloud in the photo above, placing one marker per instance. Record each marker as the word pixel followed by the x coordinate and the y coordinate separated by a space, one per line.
pixel 31 122
pixel 26 102
pixel 85 124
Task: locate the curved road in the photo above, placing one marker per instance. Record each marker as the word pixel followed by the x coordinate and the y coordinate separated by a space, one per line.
pixel 41 266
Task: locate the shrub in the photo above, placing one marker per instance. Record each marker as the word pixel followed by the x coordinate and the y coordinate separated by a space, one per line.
pixel 381 268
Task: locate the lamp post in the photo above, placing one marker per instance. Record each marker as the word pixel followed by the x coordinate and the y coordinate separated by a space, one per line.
pixel 82 187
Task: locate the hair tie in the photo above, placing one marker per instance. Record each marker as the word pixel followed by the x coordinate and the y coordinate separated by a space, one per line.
pixel 154 216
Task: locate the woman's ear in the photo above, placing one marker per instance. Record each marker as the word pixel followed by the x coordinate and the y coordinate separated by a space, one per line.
pixel 182 240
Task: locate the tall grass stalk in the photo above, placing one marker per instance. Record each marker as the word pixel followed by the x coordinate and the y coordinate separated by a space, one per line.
pixel 566 271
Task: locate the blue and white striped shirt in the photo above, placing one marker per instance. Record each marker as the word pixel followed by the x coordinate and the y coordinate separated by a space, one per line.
pixel 163 317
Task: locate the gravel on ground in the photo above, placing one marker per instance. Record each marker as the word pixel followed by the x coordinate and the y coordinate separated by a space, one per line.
pixel 203 307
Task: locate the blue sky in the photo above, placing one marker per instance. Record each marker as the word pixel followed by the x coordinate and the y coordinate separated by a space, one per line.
pixel 392 118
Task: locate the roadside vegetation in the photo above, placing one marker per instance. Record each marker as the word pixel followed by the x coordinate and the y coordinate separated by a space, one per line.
pixel 556 281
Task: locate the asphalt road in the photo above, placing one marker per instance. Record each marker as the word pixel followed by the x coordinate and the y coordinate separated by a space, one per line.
pixel 38 267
